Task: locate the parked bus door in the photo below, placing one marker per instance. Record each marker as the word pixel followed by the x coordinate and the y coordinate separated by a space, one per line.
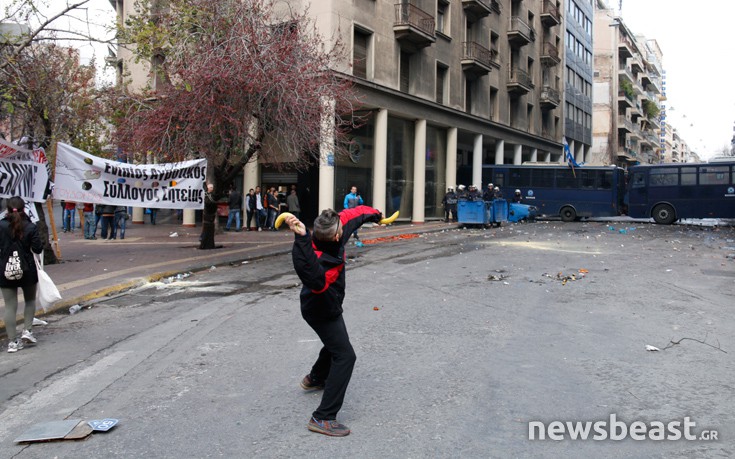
pixel 637 197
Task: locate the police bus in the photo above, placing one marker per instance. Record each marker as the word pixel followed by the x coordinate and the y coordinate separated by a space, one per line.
pixel 559 190
pixel 669 192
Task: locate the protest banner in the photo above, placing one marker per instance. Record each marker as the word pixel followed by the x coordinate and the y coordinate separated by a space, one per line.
pixel 23 172
pixel 81 177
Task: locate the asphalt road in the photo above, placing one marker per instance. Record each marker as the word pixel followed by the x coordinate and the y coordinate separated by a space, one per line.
pixel 476 334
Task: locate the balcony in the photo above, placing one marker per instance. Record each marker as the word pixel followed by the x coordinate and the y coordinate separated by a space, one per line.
pixel 626 73
pixel 625 124
pixel 550 14
pixel 494 58
pixel 476 59
pixel 625 46
pixel 414 27
pixel 624 101
pixel 476 9
pixel 519 81
pixel 550 98
pixel 495 6
pixel 520 33
pixel 635 63
pixel 550 55
pixel 651 83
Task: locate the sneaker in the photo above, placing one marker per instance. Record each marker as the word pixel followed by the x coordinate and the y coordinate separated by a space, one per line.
pixel 328 427
pixel 308 384
pixel 28 336
pixel 15 346
pixel 260 229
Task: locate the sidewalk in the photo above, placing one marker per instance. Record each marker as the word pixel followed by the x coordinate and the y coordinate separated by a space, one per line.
pixel 92 269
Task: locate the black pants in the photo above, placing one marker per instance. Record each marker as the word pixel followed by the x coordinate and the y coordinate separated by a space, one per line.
pixel 334 365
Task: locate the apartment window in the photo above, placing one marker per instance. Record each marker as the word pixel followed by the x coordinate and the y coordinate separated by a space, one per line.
pixel 530 69
pixel 158 75
pixel 529 116
pixel 360 53
pixel 442 17
pixel 468 95
pixel 405 70
pixel 588 26
pixel 441 83
pixel 570 41
pixel 493 103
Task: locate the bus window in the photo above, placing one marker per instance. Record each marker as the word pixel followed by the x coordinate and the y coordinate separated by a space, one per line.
pixel 688 175
pixel 638 180
pixel 587 179
pixel 542 178
pixel 565 179
pixel 605 180
pixel 668 176
pixel 519 178
pixel 714 175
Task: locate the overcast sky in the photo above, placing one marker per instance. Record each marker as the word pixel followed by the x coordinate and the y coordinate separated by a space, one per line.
pixel 698 44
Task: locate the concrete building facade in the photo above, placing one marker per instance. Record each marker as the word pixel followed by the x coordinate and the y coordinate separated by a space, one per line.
pixel 447 85
pixel 578 77
pixel 628 93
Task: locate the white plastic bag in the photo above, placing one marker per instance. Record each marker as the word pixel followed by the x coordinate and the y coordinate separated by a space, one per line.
pixel 47 294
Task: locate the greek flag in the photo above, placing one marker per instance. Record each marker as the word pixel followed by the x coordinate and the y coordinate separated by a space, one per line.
pixel 568 155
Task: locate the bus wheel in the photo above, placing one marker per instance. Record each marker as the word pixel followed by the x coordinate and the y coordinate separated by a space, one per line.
pixel 664 214
pixel 568 214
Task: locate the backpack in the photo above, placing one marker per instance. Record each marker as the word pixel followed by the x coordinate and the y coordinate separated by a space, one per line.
pixel 14 262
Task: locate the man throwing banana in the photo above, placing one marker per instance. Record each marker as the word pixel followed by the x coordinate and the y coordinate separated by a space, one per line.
pixel 319 260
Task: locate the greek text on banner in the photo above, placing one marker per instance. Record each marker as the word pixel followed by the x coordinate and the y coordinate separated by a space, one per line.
pixel 81 177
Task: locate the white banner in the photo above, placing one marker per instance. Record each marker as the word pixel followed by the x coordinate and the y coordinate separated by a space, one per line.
pixel 23 172
pixel 81 177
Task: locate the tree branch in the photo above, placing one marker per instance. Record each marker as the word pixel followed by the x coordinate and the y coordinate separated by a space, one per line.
pixel 27 42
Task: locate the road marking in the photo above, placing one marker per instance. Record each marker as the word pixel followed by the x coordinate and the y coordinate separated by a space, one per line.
pixel 551 247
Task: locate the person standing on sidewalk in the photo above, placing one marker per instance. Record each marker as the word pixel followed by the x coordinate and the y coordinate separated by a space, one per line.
pixel 234 201
pixel 17 230
pixel 352 200
pixel 261 214
pixel 251 205
pixel 319 261
pixel 209 214
pixel 108 222
pixel 89 227
pixel 70 208
pixel 292 201
pixel 121 217
pixel 271 204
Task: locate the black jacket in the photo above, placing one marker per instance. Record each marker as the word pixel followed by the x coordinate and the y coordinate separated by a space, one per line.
pixel 30 242
pixel 321 265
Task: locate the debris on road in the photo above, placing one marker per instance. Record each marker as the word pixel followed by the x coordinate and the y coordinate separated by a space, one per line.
pixel 652 348
pixel 74 309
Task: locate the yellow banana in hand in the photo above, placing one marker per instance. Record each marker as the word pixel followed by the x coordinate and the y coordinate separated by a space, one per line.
pixel 281 218
pixel 389 220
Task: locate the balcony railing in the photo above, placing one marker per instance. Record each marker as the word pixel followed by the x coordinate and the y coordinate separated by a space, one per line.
pixel 477 9
pixel 625 123
pixel 414 26
pixel 550 97
pixel 550 14
pixel 495 6
pixel 519 32
pixel 550 54
pixel 519 81
pixel 476 59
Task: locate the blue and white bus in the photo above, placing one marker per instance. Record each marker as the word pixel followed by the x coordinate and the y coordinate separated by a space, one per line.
pixel 558 190
pixel 669 192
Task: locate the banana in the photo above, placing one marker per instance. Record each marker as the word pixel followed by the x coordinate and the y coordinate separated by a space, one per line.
pixel 281 218
pixel 389 220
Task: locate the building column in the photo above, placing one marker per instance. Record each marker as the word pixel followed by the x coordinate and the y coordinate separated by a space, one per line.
pixel 534 155
pixel 499 151
pixel 518 154
pixel 451 172
pixel 326 157
pixel 380 159
pixel 419 171
pixel 477 162
pixel 572 146
pixel 547 156
pixel 189 218
pixel 579 153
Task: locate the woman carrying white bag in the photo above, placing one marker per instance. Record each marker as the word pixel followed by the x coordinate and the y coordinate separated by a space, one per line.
pixel 18 238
